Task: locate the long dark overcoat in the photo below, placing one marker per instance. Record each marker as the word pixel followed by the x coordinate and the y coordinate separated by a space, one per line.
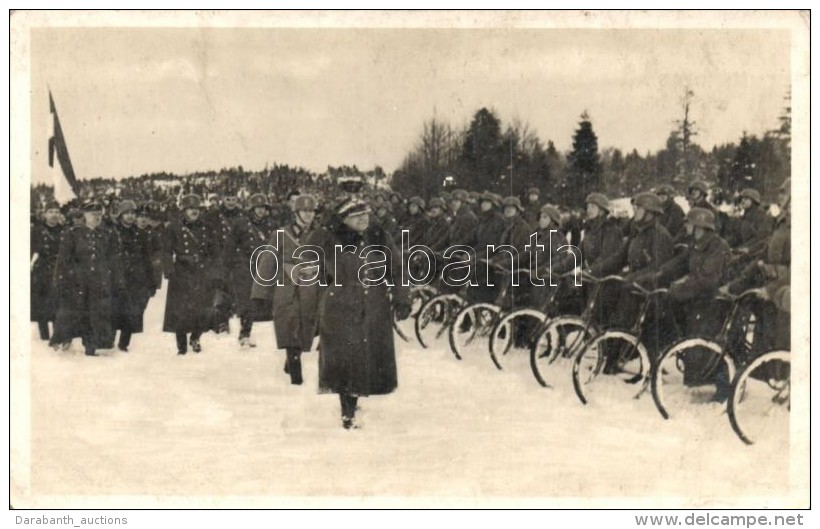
pixel 357 354
pixel 190 258
pixel 87 271
pixel 45 243
pixel 135 255
pixel 248 234
pixel 294 308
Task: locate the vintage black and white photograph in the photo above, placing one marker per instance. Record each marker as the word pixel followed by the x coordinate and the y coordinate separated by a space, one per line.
pixel 367 259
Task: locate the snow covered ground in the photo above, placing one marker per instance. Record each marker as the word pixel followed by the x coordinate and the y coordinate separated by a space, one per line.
pixel 226 422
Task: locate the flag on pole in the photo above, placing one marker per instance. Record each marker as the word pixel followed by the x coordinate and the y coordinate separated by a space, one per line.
pixel 65 183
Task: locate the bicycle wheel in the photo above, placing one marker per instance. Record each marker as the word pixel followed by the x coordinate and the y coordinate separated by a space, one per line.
pixel 760 400
pixel 555 347
pixel 502 335
pixel 435 317
pixel 419 296
pixel 613 366
pixel 470 329
pixel 692 372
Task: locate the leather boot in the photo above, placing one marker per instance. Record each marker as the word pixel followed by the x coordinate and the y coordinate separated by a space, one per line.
pixel 295 366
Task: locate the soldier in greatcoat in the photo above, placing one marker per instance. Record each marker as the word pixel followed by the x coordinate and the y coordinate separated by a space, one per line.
pixel 295 305
pixel 248 233
pixel 87 274
pixel 221 223
pixel 192 265
pixel 45 245
pixel 135 255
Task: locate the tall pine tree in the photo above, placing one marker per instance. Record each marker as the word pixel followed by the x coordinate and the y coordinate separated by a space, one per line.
pixel 584 163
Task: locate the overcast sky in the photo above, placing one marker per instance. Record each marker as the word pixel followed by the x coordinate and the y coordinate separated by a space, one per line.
pixel 133 101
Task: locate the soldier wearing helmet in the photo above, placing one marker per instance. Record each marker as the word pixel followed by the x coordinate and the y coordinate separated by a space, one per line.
pixel 532 209
pixel 248 232
pixel 415 222
pixel 754 227
pixel 135 255
pixel 437 236
pixel 772 271
pixel 222 222
pixel 703 269
pixel 293 302
pixel 464 221
pixel 672 217
pixel 603 241
pixel 647 248
pixel 489 231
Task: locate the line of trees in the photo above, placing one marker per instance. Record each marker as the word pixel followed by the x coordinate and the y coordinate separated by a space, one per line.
pixel 486 155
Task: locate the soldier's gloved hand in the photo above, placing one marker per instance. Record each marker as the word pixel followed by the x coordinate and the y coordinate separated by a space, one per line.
pixel 403 311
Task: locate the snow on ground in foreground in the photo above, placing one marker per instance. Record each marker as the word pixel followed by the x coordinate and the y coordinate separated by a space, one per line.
pixel 227 422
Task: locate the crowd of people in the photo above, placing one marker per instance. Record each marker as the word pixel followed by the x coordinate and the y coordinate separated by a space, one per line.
pixel 96 265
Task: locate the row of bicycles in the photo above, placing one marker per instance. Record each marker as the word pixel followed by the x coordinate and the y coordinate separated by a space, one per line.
pixel 606 365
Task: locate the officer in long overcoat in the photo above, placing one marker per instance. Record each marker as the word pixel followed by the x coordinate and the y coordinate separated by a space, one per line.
pixel 192 265
pixel 45 245
pixel 295 306
pixel 135 255
pixel 87 273
pixel 249 232
pixel 356 355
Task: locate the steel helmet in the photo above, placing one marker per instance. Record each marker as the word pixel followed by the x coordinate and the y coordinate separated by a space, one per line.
pixel 417 201
pixel 437 202
pixel 303 203
pixel 512 201
pixel 751 194
pixel 190 202
pixel 258 200
pixel 552 212
pixel 701 218
pixel 648 201
pixel 599 199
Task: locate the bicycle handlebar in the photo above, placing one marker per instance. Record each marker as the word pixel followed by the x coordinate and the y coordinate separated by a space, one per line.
pixel 751 293
pixel 640 290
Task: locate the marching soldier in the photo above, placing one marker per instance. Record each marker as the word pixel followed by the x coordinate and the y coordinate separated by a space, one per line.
pixel 248 233
pixel 221 223
pixel 87 273
pixel 45 245
pixel 135 255
pixel 192 266
pixel 295 306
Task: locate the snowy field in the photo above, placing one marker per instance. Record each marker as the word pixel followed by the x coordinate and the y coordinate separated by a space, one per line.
pixel 226 422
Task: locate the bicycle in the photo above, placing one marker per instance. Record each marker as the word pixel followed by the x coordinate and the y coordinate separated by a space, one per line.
pixel 502 335
pixel 620 355
pixel 673 390
pixel 760 400
pixel 561 338
pixel 418 297
pixel 475 321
